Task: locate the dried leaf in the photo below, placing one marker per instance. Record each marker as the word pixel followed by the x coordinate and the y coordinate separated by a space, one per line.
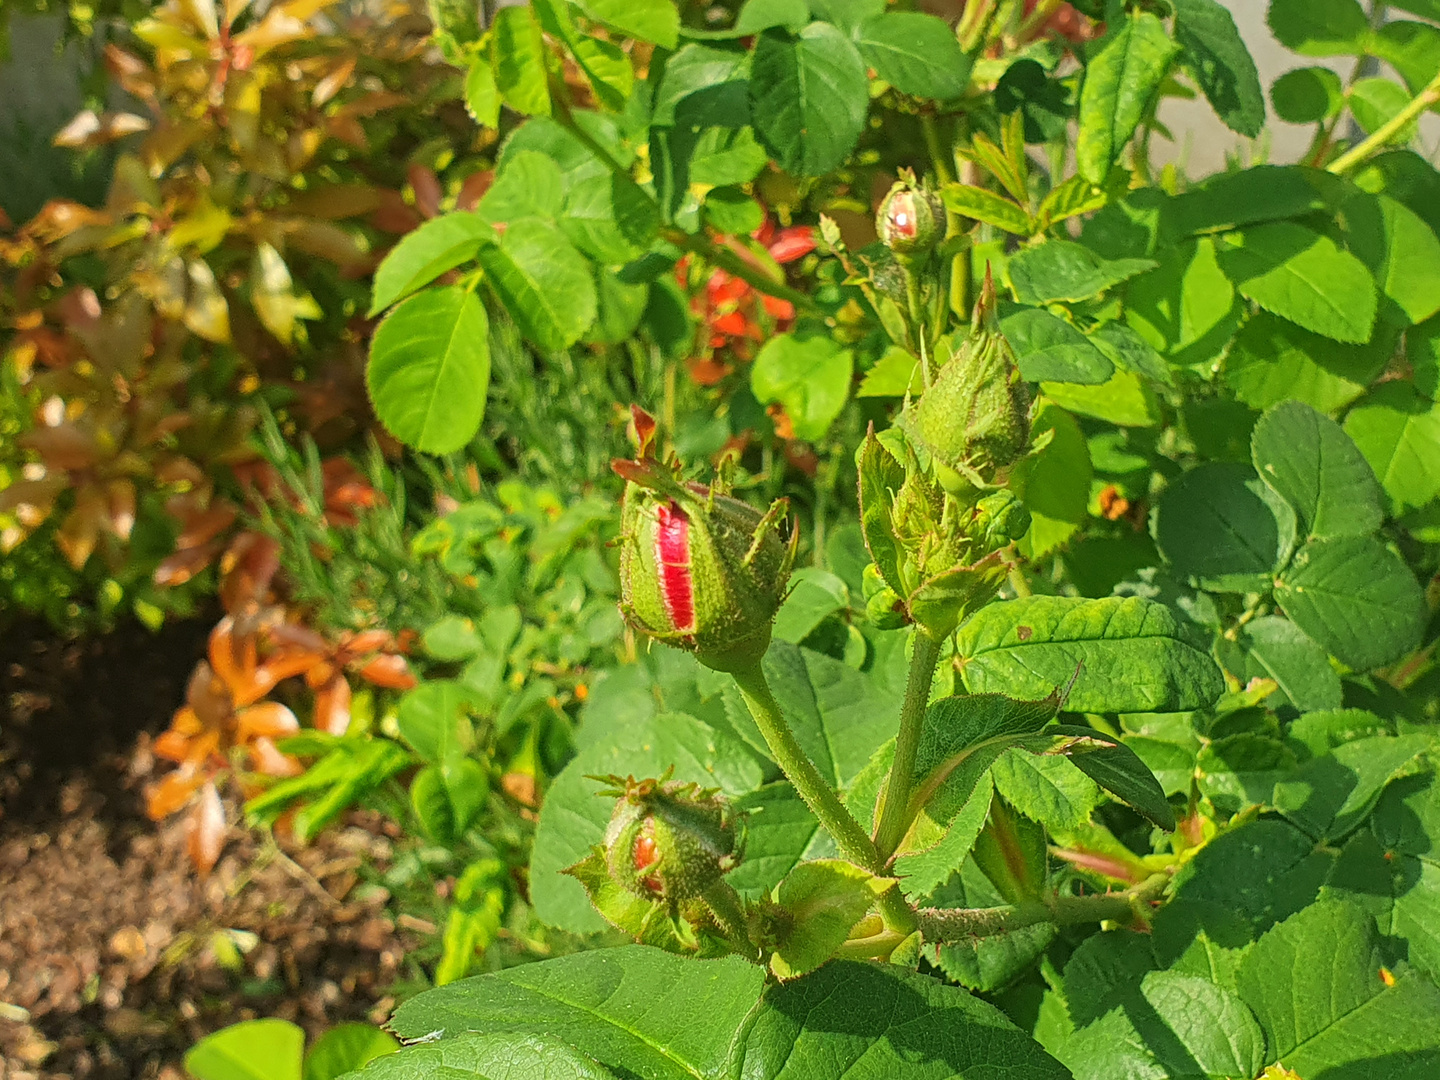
pixel 205 829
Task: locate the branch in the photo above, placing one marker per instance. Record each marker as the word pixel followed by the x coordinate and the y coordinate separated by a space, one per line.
pixel 956 924
pixel 1387 131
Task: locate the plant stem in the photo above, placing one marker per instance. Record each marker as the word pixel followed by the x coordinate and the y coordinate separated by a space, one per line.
pixel 956 924
pixel 937 151
pixel 894 815
pixel 1037 18
pixel 819 796
pixel 724 903
pixel 1387 131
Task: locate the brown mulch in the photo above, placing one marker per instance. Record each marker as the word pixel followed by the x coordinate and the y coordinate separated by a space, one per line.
pixel 115 957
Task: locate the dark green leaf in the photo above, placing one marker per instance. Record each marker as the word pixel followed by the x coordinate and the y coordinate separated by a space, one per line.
pixel 1332 794
pixel 430 368
pixel 655 21
pixel 1273 360
pixel 1320 27
pixel 809 374
pixel 808 96
pixel 345 1047
pixel 1401 251
pixel 1264 871
pixel 824 898
pixel 1312 464
pixel 1054 484
pixel 1217 55
pixel 1279 650
pixel 1307 95
pixel 1248 197
pixel 490 1057
pixel 915 53
pixel 517 52
pixel 1220 524
pixel 1355 597
pixel 1117 769
pixel 1398 431
pixel 1065 270
pixel 1129 654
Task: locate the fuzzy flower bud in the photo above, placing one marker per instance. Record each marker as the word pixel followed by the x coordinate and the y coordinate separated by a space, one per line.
pixel 975 419
pixel 911 220
pixel 667 840
pixel 699 569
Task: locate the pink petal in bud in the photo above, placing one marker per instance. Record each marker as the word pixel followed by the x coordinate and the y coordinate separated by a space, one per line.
pixel 672 556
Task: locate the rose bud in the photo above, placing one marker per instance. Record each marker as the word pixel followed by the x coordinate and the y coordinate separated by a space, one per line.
pixel 911 220
pixel 699 569
pixel 975 418
pixel 667 840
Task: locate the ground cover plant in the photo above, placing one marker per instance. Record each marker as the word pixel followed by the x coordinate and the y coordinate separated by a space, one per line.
pixel 1026 553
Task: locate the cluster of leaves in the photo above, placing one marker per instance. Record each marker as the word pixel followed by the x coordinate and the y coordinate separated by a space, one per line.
pixel 1203 710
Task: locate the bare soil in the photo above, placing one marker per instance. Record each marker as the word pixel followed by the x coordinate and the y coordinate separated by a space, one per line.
pixel 115 957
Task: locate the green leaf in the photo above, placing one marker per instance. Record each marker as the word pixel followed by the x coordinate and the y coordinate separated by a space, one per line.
pixel 1247 197
pixel 609 218
pixel 1131 353
pixel 430 368
pixel 620 308
pixel 915 53
pixel 1374 102
pixel 517 55
pixel 249 1050
pixel 809 97
pixel 719 1014
pixel 924 1029
pixel 655 21
pixel 824 899
pixel 1272 361
pixel 848 15
pixel 1046 788
pixel 1119 770
pixel 1301 275
pixel 424 254
pixel 429 718
pixel 1220 524
pixel 482 96
pixel 573 817
pixel 895 374
pixel 1240 771
pixel 1309 461
pixel 1315 984
pixel 984 205
pixel 1065 270
pixel 1222 64
pixel 1355 597
pixel 1411 48
pixel 1307 95
pixel 490 1057
pixel 1263 871
pixel 758 15
pixel 528 184
pixel 1330 796
pixel 1125 400
pixel 1129 652
pixel 452 637
pixel 808 374
pixel 1186 308
pixel 1279 650
pixel 1047 105
pixel 1320 27
pixel 1170 1025
pixel 815 594
pixel 731 211
pixel 1422 349
pixel 345 1047
pixel 1054 484
pixel 1049 349
pixel 1401 251
pixel 1398 431
pixel 1120 81
pixel 543 282
pixel 922 872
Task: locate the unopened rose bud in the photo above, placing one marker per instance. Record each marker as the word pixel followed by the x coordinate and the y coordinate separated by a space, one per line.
pixel 975 418
pixel 699 569
pixel 667 840
pixel 911 220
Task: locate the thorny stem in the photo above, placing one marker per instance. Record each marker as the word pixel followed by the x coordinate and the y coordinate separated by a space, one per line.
pixel 956 924
pixel 819 796
pixel 724 904
pixel 895 816
pixel 1387 131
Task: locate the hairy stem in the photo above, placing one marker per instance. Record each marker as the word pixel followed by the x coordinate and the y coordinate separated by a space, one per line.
pixel 895 816
pixel 724 904
pixel 819 796
pixel 956 924
pixel 1382 135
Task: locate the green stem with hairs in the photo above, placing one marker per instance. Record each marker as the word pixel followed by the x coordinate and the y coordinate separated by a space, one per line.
pixel 957 924
pixel 724 904
pixel 819 796
pixel 895 814
pixel 1382 135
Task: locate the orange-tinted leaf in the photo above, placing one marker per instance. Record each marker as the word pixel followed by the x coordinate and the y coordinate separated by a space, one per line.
pixel 247 568
pixel 80 531
pixel 390 671
pixel 60 217
pixel 426 186
pixel 474 189
pixel 332 706
pixel 122 507
pixel 367 641
pixel 205 829
pixel 63 446
pixel 209 697
pixel 171 793
pixel 394 214
pixel 268 719
pixel 180 567
pixel 334 80
pixel 335 201
pixel 265 757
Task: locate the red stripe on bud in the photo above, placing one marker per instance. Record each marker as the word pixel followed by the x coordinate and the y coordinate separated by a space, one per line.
pixel 672 557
